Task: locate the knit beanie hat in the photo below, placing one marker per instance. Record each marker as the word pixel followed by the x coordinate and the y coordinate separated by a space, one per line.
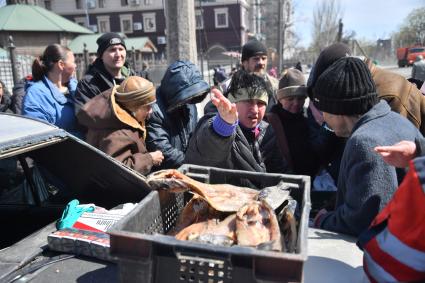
pixel 253 48
pixel 106 40
pixel 247 86
pixel 326 58
pixel 135 91
pixel 292 84
pixel 345 88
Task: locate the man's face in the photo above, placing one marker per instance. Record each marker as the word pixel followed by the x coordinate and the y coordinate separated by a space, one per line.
pixel 293 104
pixel 114 57
pixel 337 123
pixel 250 112
pixel 256 64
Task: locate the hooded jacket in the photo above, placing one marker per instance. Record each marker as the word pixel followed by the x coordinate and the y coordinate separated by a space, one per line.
pixel 366 183
pixel 402 96
pixel 114 131
pixel 174 119
pixel 97 80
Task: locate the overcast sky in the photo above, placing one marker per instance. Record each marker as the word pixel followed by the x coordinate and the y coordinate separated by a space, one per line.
pixel 370 19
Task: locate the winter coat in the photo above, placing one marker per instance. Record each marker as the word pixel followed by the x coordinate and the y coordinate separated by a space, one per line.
pixel 173 120
pixel 418 70
pixel 44 101
pixel 240 151
pixel 96 80
pixel 305 161
pixel 114 131
pixel 366 183
pixel 402 96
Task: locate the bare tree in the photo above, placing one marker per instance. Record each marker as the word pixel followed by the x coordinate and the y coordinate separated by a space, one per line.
pixel 413 29
pixel 326 15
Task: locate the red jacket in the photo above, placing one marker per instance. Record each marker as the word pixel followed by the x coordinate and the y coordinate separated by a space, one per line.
pixel 394 244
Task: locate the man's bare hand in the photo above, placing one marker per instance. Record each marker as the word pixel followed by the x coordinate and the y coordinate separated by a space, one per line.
pixel 226 109
pixel 398 155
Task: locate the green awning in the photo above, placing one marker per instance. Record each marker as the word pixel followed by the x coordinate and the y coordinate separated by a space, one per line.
pixel 34 18
pixel 141 44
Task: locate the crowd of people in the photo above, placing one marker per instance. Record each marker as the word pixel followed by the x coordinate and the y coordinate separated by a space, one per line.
pixel 362 125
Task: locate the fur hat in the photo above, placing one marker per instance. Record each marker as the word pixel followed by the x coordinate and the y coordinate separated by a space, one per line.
pixel 106 40
pixel 345 88
pixel 253 48
pixel 291 84
pixel 247 86
pixel 135 91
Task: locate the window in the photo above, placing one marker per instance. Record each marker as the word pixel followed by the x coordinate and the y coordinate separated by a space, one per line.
pixel 148 2
pixel 79 4
pixel 81 21
pixel 103 24
pixel 124 2
pixel 126 23
pixel 199 19
pixel 101 3
pixel 149 22
pixel 221 16
pixel 48 4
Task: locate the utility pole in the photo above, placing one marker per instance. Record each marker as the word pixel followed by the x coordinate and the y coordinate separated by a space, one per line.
pixel 12 53
pixel 181 36
pixel 200 39
pixel 340 27
pixel 279 36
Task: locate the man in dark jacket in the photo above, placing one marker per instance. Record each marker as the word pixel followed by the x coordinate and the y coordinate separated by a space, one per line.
pixel 5 99
pixel 347 96
pixel 237 137
pixel 175 116
pixel 109 69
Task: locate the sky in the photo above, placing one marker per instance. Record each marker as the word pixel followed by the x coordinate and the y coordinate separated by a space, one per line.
pixel 370 19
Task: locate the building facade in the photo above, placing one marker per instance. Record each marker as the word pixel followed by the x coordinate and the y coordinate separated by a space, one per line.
pixel 221 25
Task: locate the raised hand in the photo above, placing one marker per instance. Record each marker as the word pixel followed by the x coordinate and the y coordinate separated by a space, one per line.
pixel 398 155
pixel 226 109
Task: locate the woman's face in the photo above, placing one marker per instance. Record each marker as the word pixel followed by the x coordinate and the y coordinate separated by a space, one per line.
pixel 69 66
pixel 143 113
pixel 293 104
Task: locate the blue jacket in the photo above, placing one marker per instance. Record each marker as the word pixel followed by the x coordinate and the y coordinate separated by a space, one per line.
pixel 366 183
pixel 44 101
pixel 174 115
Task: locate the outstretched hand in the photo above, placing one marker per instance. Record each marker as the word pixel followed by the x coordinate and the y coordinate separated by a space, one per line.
pixel 226 109
pixel 399 154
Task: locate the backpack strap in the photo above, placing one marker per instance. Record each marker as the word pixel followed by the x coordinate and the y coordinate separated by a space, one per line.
pixel 282 141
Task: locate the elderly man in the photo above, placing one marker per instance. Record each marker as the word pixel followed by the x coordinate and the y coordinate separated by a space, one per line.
pixel 109 69
pixel 346 94
pixel 237 137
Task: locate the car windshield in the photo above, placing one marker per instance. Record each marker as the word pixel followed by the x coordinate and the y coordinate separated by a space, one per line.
pixel 416 50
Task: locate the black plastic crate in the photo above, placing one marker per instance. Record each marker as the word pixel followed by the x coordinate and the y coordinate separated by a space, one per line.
pixel 144 254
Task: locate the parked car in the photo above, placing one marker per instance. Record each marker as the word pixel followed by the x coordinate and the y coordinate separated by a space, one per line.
pixel 43 167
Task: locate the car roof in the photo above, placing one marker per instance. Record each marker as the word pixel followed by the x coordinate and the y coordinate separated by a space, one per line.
pixel 19 132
